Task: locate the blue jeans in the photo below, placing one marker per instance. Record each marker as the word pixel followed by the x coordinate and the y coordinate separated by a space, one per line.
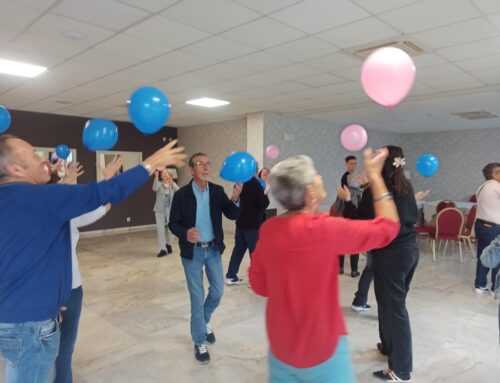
pixel 69 331
pixel 202 308
pixel 243 240
pixel 361 296
pixel 337 369
pixel 30 350
pixel 485 233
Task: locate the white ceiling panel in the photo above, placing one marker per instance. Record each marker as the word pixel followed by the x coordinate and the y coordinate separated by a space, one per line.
pixel 456 81
pixel 130 46
pixel 166 32
pixel 263 33
pixel 219 48
pixel 477 29
pixel 194 13
pixel 260 61
pixel 106 14
pixel 430 14
pixel 471 50
pixel 322 15
pixel 52 26
pixel 334 62
pixel 105 59
pixel 427 59
pixel 16 16
pixel 485 62
pixel 150 5
pixel 380 6
pixel 487 6
pixel 267 6
pixel 224 71
pixel 303 49
pixel 358 33
pixel 7 35
pixel 319 80
pixel 185 82
pixel 437 71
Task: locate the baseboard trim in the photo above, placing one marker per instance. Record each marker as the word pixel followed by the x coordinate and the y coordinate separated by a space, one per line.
pixel 117 230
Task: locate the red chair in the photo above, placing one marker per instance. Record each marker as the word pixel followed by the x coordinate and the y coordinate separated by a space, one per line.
pixel 444 205
pixel 449 225
pixel 473 198
pixel 466 235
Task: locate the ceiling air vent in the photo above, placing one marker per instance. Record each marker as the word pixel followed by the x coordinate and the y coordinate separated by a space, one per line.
pixel 402 42
pixel 475 115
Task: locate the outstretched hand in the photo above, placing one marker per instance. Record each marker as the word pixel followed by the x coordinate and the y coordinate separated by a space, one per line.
pixel 344 193
pixel 374 162
pixel 112 168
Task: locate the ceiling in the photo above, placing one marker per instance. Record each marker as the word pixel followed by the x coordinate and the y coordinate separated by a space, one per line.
pixel 287 56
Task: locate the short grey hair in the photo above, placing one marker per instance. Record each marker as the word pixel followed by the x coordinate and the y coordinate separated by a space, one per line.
pixel 290 179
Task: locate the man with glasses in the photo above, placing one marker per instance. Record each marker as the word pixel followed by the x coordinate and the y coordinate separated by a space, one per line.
pixel 196 219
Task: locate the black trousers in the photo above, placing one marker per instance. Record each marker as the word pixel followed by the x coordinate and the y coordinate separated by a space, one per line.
pixel 354 261
pixel 393 271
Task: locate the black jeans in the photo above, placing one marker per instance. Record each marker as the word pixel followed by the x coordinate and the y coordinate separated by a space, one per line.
pixel 354 261
pixel 485 233
pixel 361 296
pixel 243 240
pixel 393 270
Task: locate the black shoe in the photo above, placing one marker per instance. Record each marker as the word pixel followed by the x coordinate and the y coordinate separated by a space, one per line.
pixel 391 376
pixel 210 338
pixel 382 349
pixel 169 249
pixel 162 253
pixel 341 271
pixel 201 354
pixel 354 274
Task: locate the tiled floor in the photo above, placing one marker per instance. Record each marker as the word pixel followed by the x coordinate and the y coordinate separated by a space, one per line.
pixel 135 322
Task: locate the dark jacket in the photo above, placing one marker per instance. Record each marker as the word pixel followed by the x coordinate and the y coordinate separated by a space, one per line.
pixel 253 203
pixel 183 215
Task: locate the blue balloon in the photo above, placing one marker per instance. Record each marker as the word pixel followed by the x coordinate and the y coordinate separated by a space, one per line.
pixel 99 134
pixel 62 151
pixel 148 109
pixel 238 167
pixel 5 119
pixel 262 183
pixel 427 165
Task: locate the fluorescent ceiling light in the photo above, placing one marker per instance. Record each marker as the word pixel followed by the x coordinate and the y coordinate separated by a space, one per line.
pixel 17 68
pixel 207 102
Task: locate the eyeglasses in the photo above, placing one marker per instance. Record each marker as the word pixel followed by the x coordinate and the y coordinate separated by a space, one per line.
pixel 202 164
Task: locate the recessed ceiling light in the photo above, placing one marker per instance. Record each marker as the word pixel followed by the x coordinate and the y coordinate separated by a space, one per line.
pixel 207 102
pixel 74 35
pixel 17 68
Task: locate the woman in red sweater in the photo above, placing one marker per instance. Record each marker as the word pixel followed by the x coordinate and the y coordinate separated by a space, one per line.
pixel 295 266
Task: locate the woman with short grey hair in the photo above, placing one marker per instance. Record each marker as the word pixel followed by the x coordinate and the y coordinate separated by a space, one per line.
pixel 295 265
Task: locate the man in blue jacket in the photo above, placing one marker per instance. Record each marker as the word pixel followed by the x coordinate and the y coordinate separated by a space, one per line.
pixel 35 249
pixel 196 219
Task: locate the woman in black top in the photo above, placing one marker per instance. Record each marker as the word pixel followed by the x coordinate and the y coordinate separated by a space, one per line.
pixel 393 268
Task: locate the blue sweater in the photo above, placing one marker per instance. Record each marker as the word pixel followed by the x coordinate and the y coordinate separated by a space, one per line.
pixel 35 245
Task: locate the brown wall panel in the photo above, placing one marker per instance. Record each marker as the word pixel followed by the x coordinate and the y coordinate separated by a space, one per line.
pixel 50 130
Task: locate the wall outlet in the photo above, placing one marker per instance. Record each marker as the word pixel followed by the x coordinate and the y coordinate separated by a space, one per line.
pixel 129 219
pixel 164 139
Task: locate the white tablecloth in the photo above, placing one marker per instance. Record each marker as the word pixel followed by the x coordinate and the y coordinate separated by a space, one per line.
pixel 429 208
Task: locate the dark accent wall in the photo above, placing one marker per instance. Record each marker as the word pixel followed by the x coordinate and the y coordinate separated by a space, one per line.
pixel 50 130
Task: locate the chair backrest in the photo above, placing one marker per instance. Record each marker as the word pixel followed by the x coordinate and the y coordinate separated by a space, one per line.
pixel 471 218
pixel 334 212
pixel 473 198
pixel 449 223
pixel 444 205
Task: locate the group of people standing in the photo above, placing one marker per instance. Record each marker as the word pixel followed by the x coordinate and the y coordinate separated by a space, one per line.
pixel 294 260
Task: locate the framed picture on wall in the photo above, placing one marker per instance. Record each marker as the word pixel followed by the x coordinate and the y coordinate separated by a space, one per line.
pixel 130 159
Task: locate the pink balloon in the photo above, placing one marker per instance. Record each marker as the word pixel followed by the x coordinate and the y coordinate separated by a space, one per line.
pixel 354 137
pixel 272 152
pixel 388 75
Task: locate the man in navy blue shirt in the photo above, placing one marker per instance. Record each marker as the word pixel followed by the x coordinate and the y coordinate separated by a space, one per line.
pixel 35 249
pixel 196 219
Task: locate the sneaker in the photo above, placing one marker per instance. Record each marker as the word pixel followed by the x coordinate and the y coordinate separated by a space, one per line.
pixel 382 350
pixel 480 290
pixel 341 271
pixel 360 308
pixel 210 338
pixel 162 253
pixel 390 376
pixel 234 281
pixel 169 249
pixel 355 274
pixel 201 353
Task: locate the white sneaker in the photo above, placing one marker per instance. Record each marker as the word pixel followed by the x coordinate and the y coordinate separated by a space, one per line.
pixel 234 281
pixel 360 308
pixel 481 290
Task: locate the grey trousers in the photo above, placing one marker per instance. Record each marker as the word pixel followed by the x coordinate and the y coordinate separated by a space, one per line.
pixel 161 227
